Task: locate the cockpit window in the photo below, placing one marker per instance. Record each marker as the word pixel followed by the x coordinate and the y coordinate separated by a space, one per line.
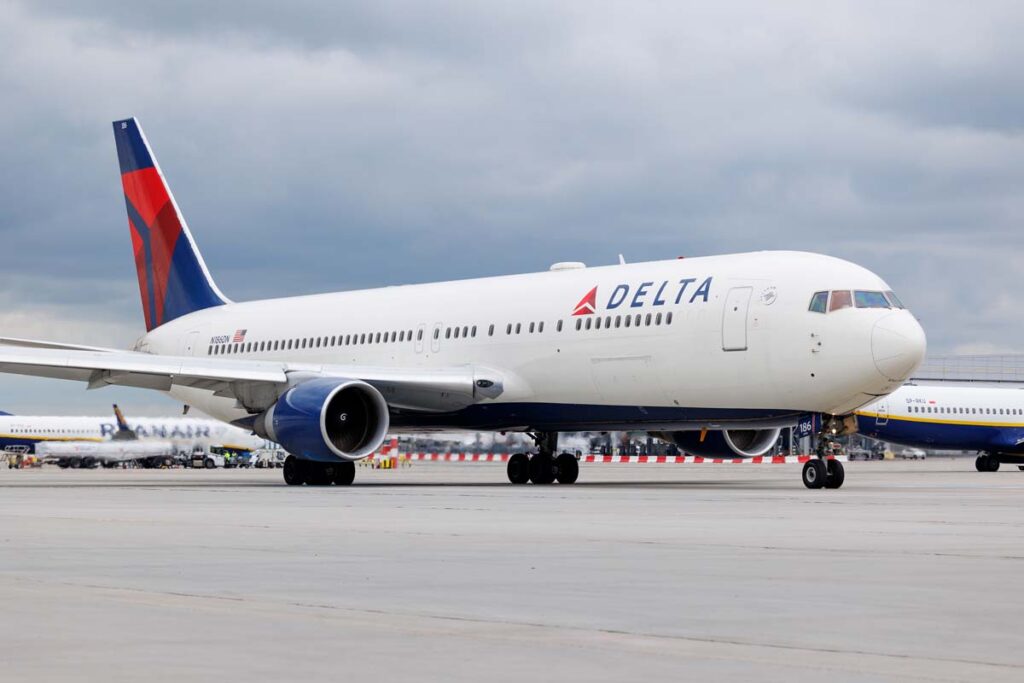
pixel 896 303
pixel 840 299
pixel 870 299
pixel 819 302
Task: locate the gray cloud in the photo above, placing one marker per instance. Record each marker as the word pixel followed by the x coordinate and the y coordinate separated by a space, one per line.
pixel 317 146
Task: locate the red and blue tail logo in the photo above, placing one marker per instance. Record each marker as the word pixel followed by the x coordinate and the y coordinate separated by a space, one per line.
pixel 173 279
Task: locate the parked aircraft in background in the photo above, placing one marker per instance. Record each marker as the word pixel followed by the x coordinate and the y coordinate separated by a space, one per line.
pixel 88 441
pixel 714 354
pixel 983 419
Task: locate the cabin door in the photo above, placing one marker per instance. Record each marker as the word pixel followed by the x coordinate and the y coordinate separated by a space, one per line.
pixel 188 347
pixel 882 413
pixel 734 319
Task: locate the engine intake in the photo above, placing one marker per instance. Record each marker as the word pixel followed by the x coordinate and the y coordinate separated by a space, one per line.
pixel 726 443
pixel 327 419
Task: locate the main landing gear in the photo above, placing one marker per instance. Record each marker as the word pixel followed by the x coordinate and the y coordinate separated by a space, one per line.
pixel 312 473
pixel 544 467
pixel 986 462
pixel 823 473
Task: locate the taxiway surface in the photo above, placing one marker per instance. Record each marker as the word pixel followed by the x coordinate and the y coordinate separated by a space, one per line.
pixel 445 572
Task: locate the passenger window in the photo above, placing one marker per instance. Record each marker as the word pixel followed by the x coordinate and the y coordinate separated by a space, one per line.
pixel 590 323
pixel 597 324
pixel 508 329
pixel 490 331
pixel 628 319
pixel 456 333
pixel 647 320
pixel 579 324
pixel 531 327
pixel 608 321
pixel 657 319
pixel 465 332
pixel 636 322
pixel 419 335
pixel 437 333
pixel 558 326
pixel 519 328
pixel 870 299
pixel 668 318
pixel 618 321
pixel 540 327
pixel 819 302
pixel 472 332
pixel 840 299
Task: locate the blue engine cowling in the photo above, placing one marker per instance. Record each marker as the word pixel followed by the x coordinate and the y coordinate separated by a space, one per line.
pixel 726 443
pixel 328 419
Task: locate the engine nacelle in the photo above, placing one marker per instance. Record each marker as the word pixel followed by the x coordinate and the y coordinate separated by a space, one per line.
pixel 726 443
pixel 327 419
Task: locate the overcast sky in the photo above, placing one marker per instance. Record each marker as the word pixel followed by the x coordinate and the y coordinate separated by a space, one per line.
pixel 317 146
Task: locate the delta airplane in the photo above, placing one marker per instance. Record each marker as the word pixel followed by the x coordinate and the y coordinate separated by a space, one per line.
pixel 714 354
pixel 989 420
pixel 89 441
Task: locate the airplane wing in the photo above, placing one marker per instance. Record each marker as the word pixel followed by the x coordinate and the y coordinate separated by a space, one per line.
pixel 39 344
pixel 255 384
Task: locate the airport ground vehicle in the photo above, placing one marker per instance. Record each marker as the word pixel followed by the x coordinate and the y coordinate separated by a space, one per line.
pixel 713 354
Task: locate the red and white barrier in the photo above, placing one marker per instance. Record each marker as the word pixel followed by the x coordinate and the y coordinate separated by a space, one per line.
pixel 391 451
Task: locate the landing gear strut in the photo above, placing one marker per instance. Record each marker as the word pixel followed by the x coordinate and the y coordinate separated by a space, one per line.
pixel 543 467
pixel 297 472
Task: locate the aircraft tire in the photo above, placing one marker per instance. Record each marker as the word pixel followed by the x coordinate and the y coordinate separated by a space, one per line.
pixel 836 474
pixel 344 473
pixel 293 475
pixel 518 469
pixel 542 469
pixel 317 474
pixel 568 468
pixel 993 464
pixel 981 463
pixel 815 473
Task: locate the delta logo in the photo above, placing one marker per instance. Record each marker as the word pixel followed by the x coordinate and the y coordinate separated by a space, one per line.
pixel 648 294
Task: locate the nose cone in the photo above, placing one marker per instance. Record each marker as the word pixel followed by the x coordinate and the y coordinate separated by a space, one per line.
pixel 898 345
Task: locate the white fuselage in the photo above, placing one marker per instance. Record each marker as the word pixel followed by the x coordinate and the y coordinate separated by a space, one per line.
pixel 741 347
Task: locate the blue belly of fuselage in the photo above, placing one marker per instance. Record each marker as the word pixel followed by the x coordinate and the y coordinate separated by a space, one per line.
pixel 942 435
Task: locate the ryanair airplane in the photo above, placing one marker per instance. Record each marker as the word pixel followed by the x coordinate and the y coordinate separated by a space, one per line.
pixel 983 419
pixel 714 354
pixel 91 441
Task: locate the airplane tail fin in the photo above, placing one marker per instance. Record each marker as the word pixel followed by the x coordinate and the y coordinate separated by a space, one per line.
pixel 173 278
pixel 3 413
pixel 124 432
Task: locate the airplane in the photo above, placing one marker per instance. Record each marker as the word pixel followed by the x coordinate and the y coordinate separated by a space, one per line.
pixel 91 441
pixel 989 420
pixel 715 354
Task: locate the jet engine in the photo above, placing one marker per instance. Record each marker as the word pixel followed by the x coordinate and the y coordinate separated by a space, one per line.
pixel 726 443
pixel 327 419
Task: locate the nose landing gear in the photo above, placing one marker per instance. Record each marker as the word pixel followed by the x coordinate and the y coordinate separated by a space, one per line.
pixel 543 467
pixel 820 473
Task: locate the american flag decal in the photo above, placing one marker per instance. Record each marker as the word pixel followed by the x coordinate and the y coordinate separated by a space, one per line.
pixel 239 336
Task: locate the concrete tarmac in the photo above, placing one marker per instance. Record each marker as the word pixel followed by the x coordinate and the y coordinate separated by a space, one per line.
pixel 444 572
